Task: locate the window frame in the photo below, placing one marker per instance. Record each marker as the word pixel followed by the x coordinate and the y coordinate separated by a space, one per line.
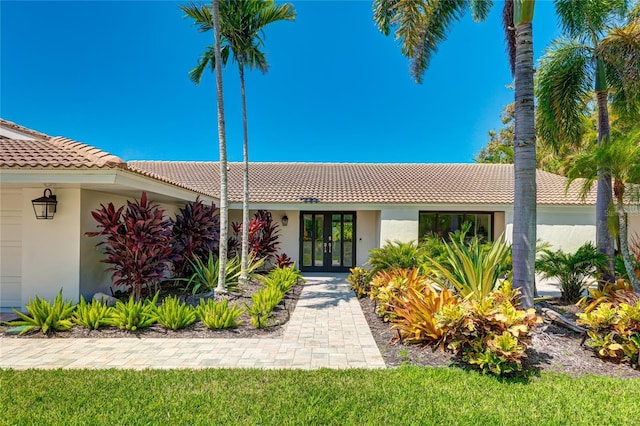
pixel 456 212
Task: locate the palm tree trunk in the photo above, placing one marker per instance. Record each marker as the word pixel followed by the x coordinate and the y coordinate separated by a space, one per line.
pixel 524 199
pixel 245 179
pixel 624 236
pixel 222 139
pixel 604 196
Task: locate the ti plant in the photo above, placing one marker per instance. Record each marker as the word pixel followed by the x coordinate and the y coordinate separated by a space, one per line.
pixel 175 314
pixel 45 316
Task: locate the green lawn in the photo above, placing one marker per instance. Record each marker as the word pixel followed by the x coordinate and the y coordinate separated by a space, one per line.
pixel 407 395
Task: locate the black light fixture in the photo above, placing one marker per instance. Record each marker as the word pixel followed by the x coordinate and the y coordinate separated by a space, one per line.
pixel 45 206
pixel 285 220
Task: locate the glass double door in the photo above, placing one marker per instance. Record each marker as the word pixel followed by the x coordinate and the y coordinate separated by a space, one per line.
pixel 327 241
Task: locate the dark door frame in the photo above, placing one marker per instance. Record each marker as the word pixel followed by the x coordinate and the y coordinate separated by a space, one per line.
pixel 327 243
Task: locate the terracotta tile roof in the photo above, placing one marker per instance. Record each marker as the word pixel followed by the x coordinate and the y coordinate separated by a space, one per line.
pixel 45 152
pixel 364 183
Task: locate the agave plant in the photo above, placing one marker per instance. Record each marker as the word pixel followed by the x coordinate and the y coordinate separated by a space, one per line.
pixel 45 316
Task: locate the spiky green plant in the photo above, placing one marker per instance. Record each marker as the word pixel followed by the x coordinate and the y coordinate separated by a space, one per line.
pixel 206 275
pixel 92 315
pixel 45 316
pixel 263 302
pixel 133 314
pixel 396 255
pixel 175 314
pixel 284 278
pixel 218 315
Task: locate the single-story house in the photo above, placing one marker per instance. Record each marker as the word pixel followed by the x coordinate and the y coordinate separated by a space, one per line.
pixel 330 214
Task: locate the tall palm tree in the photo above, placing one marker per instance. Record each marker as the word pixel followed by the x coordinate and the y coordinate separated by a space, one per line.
pixel 421 25
pixel 597 55
pixel 242 25
pixel 222 139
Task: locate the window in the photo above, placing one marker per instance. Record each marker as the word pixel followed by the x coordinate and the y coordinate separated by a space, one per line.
pixel 442 223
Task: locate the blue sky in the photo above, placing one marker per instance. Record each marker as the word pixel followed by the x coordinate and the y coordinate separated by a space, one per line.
pixel 114 74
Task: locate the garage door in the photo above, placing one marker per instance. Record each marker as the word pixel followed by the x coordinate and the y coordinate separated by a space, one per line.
pixel 10 249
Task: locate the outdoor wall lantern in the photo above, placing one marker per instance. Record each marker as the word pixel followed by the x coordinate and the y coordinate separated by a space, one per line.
pixel 285 220
pixel 45 206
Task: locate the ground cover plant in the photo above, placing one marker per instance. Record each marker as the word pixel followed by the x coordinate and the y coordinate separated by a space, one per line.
pixel 438 396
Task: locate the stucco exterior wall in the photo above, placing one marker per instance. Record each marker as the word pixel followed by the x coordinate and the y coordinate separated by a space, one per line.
pixel 563 227
pixel 10 248
pixel 499 224
pixel 634 225
pixel 398 225
pixel 51 248
pixel 367 234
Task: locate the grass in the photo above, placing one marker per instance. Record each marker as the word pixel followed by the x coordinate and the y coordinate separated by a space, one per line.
pixel 406 395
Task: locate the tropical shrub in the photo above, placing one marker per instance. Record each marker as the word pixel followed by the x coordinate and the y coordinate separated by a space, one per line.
pixel 615 293
pixel 175 314
pixel 282 260
pixel 137 243
pixel 396 255
pixel 92 315
pixel 195 233
pixel 132 315
pixel 360 280
pixel 472 268
pixel 205 275
pixel 614 331
pixel 416 314
pixel 218 315
pixel 386 287
pixel 572 270
pixel 263 302
pixel 263 236
pixel 45 316
pixel 282 278
pixel 491 334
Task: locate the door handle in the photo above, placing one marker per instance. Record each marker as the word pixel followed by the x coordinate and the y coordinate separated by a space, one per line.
pixel 327 247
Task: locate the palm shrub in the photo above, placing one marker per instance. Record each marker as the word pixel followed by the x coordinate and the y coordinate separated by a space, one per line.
pixel 572 270
pixel 492 333
pixel 218 315
pixel 474 269
pixel 137 242
pixel 614 331
pixel 360 280
pixel 134 314
pixel 92 315
pixel 174 314
pixel 45 316
pixel 205 275
pixel 195 233
pixel 396 255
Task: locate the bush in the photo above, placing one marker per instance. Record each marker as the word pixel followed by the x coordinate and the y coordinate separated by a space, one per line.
pixel 360 280
pixel 263 236
pixel 474 269
pixel 491 333
pixel 416 314
pixel 174 314
pixel 45 316
pixel 92 315
pixel 195 233
pixel 614 331
pixel 396 255
pixel 137 243
pixel 572 270
pixel 133 314
pixel 205 275
pixel 218 315
pixel 386 287
pixel 263 302
pixel 615 293
pixel 282 278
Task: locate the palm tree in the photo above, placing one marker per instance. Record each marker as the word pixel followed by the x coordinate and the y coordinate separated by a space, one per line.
pixel 242 25
pixel 622 157
pixel 593 55
pixel 224 204
pixel 421 25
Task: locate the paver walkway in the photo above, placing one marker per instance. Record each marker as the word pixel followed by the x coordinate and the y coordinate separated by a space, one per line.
pixel 327 329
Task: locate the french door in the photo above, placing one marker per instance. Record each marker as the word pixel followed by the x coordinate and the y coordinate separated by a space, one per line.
pixel 327 241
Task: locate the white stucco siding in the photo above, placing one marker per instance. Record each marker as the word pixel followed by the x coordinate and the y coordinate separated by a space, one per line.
pixel 367 234
pixel 563 227
pixel 398 225
pixel 51 248
pixel 499 225
pixel 10 249
pixel 634 226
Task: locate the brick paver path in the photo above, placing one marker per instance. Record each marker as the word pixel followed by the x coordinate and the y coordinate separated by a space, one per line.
pixel 327 329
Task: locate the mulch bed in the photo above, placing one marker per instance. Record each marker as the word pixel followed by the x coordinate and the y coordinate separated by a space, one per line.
pixel 552 349
pixel 281 315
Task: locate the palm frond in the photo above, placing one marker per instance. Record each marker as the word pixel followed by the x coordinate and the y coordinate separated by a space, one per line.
pixel 384 14
pixel 587 18
pixel 565 82
pixel 480 9
pixel 201 14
